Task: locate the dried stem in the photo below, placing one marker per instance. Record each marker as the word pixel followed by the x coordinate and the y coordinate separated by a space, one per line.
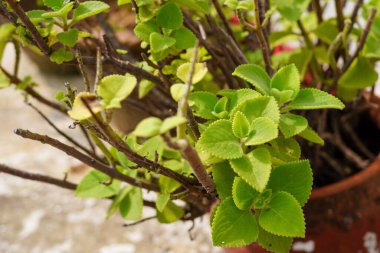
pixel 86 81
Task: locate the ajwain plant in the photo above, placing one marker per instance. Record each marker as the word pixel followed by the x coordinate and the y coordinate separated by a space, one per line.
pixel 223 117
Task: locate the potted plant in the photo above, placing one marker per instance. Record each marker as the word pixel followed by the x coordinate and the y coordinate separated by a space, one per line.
pixel 222 120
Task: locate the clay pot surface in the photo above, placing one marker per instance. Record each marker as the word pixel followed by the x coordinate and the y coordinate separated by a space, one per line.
pixel 341 218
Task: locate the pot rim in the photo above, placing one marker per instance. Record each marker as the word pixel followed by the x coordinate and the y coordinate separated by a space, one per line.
pixel 348 183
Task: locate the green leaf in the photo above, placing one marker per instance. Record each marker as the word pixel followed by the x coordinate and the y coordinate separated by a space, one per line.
pixel 254 75
pixel 162 201
pixel 292 9
pixel 274 243
pixel 287 78
pixel 145 29
pixel 4 80
pixel 79 111
pixel 284 150
pixel 219 140
pixel 301 59
pixel 132 204
pixel 310 99
pixel 200 71
pixel 327 31
pixel 310 135
pixel 221 107
pixel 115 88
pixel 240 125
pixel 178 90
pixel 223 177
pixel 263 130
pixel 259 107
pixel 184 38
pixel 243 194
pixel 168 185
pixel 59 13
pixel 203 104
pixel 61 55
pixel 242 95
pixel 283 217
pixel 122 2
pixel 196 5
pixel 54 4
pixel 69 38
pixel 170 214
pixel 159 42
pixel 169 16
pixel 254 168
pixel 361 74
pixel 148 127
pixel 145 87
pixel 94 185
pixel 233 227
pixel 291 124
pixel 171 123
pixel 151 148
pixel 117 200
pixel 295 178
pixel 6 31
pixel 88 9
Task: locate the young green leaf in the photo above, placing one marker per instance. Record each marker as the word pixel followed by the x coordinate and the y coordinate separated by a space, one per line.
pixel 219 140
pixel 69 38
pixel 132 204
pixel 233 227
pixel 170 214
pixel 274 243
pixel 171 123
pixel 200 71
pixel 59 13
pixel 61 55
pixel 241 95
pixel 263 130
pixel 283 217
pixel 115 88
pixel 284 150
pixel 254 75
pixel 162 201
pixel 292 9
pixel 6 31
pixel 203 104
pixel 310 135
pixel 295 178
pixel 145 29
pixel 184 38
pixel 291 124
pixel 309 99
pixel 254 168
pixel 223 177
pixel 117 200
pixel 361 74
pixel 145 87
pixel 287 78
pixel 79 111
pixel 54 4
pixel 4 80
pixel 93 185
pixel 243 194
pixel 148 127
pixel 88 9
pixel 240 125
pixel 169 16
pixel 167 185
pixel 159 42
pixel 152 149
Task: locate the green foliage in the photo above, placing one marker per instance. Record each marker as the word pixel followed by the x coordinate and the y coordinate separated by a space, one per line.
pixel 96 185
pixel 291 10
pixel 255 75
pixel 148 127
pixel 79 111
pixel 88 9
pixel 223 176
pixel 291 124
pixel 360 75
pixel 169 16
pixel 4 80
pixel 69 38
pixel 132 204
pixel 274 243
pixel 243 194
pixel 159 42
pixel 61 55
pixel 240 125
pixel 170 214
pixel 199 72
pixel 263 130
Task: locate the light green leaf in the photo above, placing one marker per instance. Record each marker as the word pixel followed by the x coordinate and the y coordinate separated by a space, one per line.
pixel 148 127
pixel 178 90
pixel 117 200
pixel 171 123
pixel 254 75
pixel 223 177
pixel 292 9
pixel 263 130
pixel 240 125
pixel 287 78
pixel 145 29
pixel 274 243
pixel 162 201
pixel 88 9
pixel 168 185
pixel 115 88
pixel 4 80
pixel 219 140
pixel 243 194
pixel 132 204
pixel 59 13
pixel 203 104
pixel 327 31
pixel 94 185
pixel 54 4
pixel 291 124
pixel 69 38
pixel 151 148
pixel 196 5
pixel 145 87
pixel 361 74
pixel 259 107
pixel 159 42
pixel 284 150
pixel 233 227
pixel 122 2
pixel 310 99
pixel 199 72
pixel 185 38
pixel 241 95
pixel 61 55
pixel 254 168
pixel 169 16
pixel 295 178
pixel 283 217
pixel 310 135
pixel 6 31
pixel 79 110
pixel 170 214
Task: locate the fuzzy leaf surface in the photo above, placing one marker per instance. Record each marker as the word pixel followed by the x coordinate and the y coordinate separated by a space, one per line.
pixel 263 130
pixel 312 136
pixel 291 124
pixel 223 176
pixel 88 9
pixel 243 194
pixel 92 186
pixel 287 78
pixel 240 125
pixel 254 75
pixel 169 16
pixel 274 243
pixel 148 127
pixel 203 104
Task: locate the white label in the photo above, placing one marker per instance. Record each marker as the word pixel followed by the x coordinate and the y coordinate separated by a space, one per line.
pixel 307 247
pixel 370 242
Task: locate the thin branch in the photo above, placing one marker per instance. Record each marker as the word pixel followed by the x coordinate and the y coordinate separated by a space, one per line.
pixel 224 19
pixel 339 14
pixel 99 68
pixel 86 80
pixel 355 12
pixel 140 221
pixel 11 18
pixel 318 10
pixel 37 177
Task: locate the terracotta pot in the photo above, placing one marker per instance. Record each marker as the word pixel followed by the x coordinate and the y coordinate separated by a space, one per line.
pixel 341 218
